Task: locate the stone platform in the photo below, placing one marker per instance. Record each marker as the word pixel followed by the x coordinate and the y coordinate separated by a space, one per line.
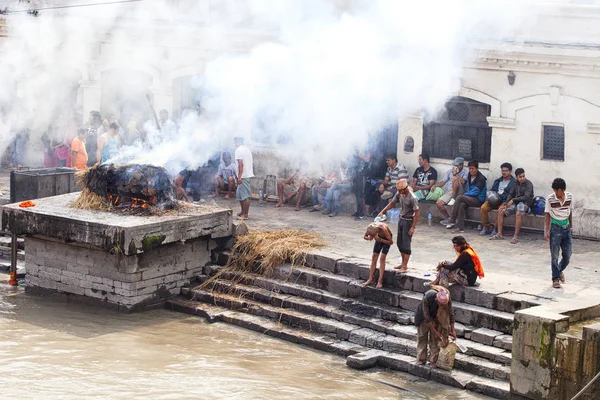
pixel 115 259
pixel 127 233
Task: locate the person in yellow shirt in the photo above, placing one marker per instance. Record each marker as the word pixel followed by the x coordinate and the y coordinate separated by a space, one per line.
pixel 78 152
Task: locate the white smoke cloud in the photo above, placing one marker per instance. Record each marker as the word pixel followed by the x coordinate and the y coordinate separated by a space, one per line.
pixel 332 73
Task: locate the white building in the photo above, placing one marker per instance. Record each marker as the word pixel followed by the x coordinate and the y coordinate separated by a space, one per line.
pixel 546 121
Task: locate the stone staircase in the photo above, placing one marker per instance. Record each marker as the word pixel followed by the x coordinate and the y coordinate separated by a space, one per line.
pixel 323 305
pixel 5 254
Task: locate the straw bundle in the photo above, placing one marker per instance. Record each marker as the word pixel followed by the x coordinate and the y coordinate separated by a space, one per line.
pixel 88 200
pixel 263 251
pixel 270 249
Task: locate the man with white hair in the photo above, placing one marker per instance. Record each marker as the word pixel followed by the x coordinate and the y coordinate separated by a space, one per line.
pixel 434 319
pixel 243 156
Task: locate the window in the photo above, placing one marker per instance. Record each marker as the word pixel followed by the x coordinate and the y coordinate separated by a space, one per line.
pixel 460 130
pixel 553 143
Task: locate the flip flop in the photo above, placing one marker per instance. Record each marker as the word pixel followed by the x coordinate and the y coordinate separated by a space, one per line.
pixel 514 240
pixel 496 237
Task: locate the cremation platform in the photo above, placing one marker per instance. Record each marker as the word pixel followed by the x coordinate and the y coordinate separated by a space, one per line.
pixel 120 259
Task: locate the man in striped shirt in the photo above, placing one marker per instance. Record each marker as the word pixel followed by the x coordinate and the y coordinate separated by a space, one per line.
pixel 558 226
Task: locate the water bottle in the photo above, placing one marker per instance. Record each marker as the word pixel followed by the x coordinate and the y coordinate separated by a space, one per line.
pixel 260 195
pixel 429 219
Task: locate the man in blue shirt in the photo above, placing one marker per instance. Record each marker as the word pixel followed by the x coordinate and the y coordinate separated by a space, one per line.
pixel 473 197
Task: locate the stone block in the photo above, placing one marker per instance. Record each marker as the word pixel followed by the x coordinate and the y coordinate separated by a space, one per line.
pixel 453 378
pixel 364 360
pixel 503 342
pixel 396 345
pixel 73 289
pixel 49 276
pixel 324 261
pixel 348 268
pixel 485 336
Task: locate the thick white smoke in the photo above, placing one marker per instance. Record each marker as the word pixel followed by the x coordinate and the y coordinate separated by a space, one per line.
pixel 329 73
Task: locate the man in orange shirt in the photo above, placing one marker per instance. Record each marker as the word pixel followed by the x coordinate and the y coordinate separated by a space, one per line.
pixel 78 152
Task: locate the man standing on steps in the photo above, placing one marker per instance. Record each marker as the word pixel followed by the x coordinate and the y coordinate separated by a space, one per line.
pixel 557 229
pixel 243 156
pixel 434 319
pixel 409 217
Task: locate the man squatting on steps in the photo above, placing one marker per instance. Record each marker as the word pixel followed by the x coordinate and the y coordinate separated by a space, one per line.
pixel 383 237
pixel 409 217
pixel 434 319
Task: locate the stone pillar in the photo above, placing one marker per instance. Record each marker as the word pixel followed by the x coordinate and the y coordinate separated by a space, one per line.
pixel 533 352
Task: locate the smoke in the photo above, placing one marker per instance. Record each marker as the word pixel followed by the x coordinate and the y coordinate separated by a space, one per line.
pixel 312 77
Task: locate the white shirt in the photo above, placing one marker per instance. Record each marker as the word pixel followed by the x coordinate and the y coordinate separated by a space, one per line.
pixel 243 153
pixel 559 210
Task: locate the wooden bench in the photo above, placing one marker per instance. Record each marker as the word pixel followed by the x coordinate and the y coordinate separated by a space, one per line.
pixel 530 222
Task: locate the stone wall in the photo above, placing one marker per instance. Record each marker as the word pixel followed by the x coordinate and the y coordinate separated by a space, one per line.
pixel 123 282
pixel 552 357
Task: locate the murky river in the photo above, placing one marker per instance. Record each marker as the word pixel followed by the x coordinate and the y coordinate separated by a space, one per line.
pixel 55 350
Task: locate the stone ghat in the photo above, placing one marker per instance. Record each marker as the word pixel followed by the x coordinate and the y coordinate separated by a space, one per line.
pixel 324 305
pixel 114 231
pixel 121 261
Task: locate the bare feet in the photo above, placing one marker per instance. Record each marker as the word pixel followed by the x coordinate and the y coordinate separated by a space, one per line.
pixel 279 204
pixel 401 268
pixel 379 285
pixel 227 196
pixel 214 195
pixel 297 208
pixel 243 217
pixel 420 363
pixel 367 283
pixel 239 214
pixel 433 365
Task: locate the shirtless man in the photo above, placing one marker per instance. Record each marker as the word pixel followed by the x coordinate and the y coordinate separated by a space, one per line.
pixel 382 235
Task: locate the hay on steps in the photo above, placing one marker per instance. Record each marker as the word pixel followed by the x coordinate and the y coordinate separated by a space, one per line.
pixel 263 251
pixel 272 249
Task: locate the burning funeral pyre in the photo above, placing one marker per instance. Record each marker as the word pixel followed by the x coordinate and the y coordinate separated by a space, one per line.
pixel 125 187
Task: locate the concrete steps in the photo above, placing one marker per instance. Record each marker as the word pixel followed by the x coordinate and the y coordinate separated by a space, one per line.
pixel 389 320
pixel 345 286
pixel 326 298
pixel 364 347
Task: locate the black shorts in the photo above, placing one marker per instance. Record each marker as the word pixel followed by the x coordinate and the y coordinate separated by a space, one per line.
pixel 381 247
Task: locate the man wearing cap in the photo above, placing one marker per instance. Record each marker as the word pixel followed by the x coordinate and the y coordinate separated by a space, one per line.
pixel 243 156
pixel 434 319
pixel 409 217
pixel 453 185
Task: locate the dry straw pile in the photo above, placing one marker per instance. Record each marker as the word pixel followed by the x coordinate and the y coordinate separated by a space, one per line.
pixel 88 200
pixel 263 251
pixel 267 250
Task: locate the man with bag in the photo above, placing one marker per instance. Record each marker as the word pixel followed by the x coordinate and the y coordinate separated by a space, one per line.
pixel 434 319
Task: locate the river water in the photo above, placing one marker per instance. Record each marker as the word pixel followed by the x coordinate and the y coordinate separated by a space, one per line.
pixel 56 350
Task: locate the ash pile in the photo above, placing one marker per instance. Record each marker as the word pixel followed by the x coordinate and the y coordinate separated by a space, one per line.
pixel 135 187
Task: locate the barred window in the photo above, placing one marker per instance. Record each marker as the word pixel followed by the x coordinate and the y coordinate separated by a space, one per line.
pixel 553 143
pixel 460 130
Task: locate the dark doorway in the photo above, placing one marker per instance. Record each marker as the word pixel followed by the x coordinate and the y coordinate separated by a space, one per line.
pixel 383 143
pixel 460 130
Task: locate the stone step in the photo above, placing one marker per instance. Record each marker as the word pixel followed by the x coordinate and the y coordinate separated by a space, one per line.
pixel 467 314
pixel 264 325
pixel 6 241
pixel 388 320
pixel 460 379
pixel 358 269
pixel 5 254
pixel 342 330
